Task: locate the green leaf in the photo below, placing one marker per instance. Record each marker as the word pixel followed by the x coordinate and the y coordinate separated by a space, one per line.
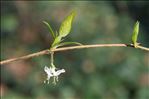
pixel 57 40
pixel 66 25
pixel 135 34
pixel 68 43
pixel 51 31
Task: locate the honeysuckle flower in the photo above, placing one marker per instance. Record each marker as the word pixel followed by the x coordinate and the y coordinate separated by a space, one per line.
pixel 51 72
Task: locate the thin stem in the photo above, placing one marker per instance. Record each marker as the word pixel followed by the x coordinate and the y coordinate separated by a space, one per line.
pixel 143 48
pixel 47 51
pixel 52 59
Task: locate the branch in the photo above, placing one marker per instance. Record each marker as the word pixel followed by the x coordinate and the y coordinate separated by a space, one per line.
pixel 47 51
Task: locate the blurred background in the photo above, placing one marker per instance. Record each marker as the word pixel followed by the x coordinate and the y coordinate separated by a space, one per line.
pixel 96 73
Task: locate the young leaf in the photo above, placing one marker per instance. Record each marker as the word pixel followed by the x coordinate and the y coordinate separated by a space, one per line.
pixel 135 34
pixel 51 31
pixel 66 25
pixel 57 40
pixel 68 43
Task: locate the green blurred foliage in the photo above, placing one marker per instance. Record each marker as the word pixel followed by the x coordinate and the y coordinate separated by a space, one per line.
pixel 97 73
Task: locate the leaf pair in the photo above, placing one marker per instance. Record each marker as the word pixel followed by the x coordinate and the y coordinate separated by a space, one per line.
pixel 64 30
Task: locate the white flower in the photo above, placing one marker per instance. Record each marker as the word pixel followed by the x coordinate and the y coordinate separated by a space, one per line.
pixel 52 73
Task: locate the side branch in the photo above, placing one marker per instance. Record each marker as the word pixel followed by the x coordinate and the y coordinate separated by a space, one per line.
pixel 47 51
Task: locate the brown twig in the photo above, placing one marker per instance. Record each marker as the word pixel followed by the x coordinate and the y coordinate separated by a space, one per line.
pixel 47 51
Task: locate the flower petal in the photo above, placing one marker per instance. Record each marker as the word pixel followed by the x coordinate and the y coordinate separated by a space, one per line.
pixel 48 71
pixel 59 72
